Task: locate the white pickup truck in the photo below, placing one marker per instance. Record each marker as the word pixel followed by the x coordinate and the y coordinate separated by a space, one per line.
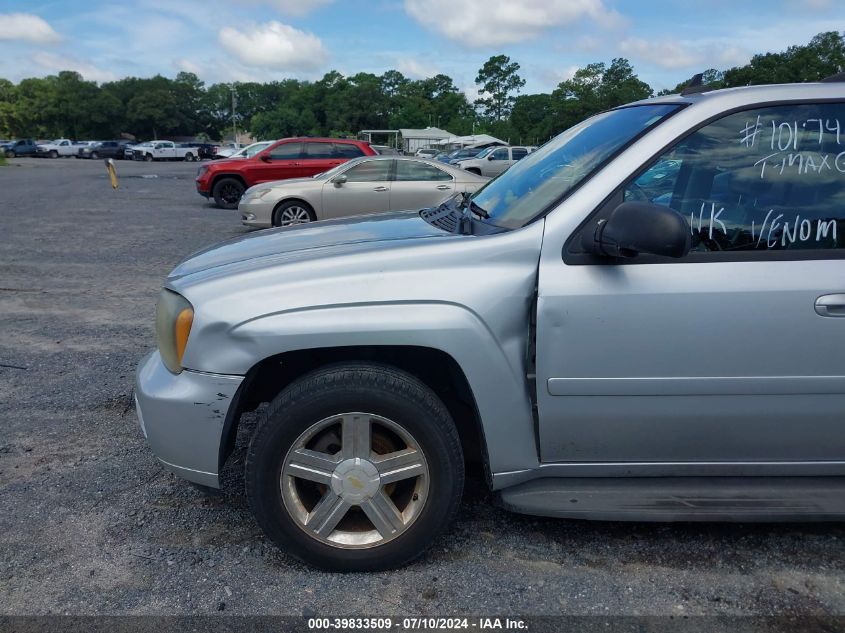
pixel 164 150
pixel 60 147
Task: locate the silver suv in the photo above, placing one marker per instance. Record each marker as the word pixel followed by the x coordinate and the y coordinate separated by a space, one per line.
pixel 642 320
pixel 494 160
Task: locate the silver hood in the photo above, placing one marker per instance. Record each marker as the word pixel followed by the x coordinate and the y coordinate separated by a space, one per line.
pixel 271 246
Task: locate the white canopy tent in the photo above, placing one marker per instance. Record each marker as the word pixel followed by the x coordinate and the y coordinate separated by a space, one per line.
pixel 473 140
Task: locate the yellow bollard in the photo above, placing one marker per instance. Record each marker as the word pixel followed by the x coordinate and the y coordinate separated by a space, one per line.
pixel 112 171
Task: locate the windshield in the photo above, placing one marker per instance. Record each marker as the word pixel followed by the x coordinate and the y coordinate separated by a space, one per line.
pixel 485 151
pixel 548 174
pixel 251 150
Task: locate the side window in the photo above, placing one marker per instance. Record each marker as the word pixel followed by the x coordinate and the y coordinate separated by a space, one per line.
pixel 346 150
pixel 369 171
pixel 500 154
pixel 519 153
pixel 318 150
pixel 766 179
pixel 286 151
pixel 413 170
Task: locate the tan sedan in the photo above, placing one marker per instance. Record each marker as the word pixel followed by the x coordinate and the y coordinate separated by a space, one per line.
pixel 371 184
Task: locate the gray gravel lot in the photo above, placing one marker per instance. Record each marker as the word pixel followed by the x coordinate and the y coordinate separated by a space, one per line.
pixel 90 524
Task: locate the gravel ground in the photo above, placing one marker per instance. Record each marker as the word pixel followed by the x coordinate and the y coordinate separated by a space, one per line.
pixel 90 524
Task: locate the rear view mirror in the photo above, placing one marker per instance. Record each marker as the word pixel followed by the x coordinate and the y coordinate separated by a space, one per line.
pixel 640 227
pixel 339 180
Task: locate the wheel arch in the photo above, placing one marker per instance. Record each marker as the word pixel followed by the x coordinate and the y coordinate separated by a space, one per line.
pixel 218 177
pixel 272 374
pixel 278 205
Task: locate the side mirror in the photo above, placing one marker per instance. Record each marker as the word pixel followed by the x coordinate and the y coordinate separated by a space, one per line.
pixel 339 180
pixel 640 227
pixel 264 158
pixel 490 157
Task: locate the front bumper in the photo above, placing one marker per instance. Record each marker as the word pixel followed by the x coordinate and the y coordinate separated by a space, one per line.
pixel 202 189
pixel 182 416
pixel 256 212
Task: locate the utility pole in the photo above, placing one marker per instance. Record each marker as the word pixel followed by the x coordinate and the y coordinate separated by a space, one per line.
pixel 234 105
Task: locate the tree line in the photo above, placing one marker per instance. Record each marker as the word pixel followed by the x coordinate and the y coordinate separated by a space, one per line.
pixel 65 105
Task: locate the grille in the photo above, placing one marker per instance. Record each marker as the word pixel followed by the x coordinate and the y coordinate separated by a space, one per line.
pixel 442 217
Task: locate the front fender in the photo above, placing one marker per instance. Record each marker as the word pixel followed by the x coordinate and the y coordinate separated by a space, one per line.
pixel 494 367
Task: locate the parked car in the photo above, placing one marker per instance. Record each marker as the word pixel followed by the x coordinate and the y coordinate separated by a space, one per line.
pixel 226 151
pixel 103 149
pixel 60 147
pixel 606 356
pixel 203 150
pixel 129 151
pixel 427 152
pixel 494 160
pixel 19 147
pixel 251 150
pixel 461 154
pixel 163 150
pixel 362 185
pixel 225 181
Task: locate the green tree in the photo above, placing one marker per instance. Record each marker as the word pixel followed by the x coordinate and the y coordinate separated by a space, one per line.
pixel 498 79
pixel 153 113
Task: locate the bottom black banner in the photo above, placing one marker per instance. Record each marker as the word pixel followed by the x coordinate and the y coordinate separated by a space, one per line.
pixel 535 624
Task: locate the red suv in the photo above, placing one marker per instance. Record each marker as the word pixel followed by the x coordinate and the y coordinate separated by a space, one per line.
pixel 226 181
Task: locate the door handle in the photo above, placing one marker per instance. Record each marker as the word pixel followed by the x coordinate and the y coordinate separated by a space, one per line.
pixel 380 189
pixel 831 305
pixel 443 187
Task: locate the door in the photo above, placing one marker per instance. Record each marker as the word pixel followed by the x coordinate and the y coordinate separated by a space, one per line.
pixel 283 162
pixel 732 354
pixel 497 162
pixel 366 190
pixel 418 185
pixel 318 157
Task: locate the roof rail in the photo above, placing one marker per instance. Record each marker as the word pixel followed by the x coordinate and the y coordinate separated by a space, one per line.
pixel 695 85
pixel 838 77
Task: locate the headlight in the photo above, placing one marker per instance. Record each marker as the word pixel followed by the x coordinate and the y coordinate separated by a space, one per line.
pixel 256 194
pixel 174 317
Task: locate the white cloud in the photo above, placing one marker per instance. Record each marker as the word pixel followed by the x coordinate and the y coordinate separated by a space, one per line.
pixel 56 63
pixel 416 69
pixel 274 45
pixel 672 55
pixel 28 27
pixel 554 76
pixel 188 66
pixel 292 7
pixel 481 23
pixel 664 53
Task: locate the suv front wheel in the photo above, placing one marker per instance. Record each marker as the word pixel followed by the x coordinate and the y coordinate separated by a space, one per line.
pixel 227 192
pixel 355 467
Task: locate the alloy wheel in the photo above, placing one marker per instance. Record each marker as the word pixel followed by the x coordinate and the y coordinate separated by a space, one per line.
pixel 354 480
pixel 294 215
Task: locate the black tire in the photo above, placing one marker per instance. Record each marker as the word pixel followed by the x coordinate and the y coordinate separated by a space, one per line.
pixel 95 155
pixel 54 153
pixel 227 192
pixel 10 153
pixel 189 157
pixel 362 387
pixel 284 206
pixel 148 158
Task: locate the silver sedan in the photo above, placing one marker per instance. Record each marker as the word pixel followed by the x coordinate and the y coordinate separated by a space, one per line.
pixel 372 184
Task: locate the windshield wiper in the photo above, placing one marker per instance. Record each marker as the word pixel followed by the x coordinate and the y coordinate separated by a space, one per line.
pixel 467 203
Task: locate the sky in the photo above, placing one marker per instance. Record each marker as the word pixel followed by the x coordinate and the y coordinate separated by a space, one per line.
pixel 666 41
